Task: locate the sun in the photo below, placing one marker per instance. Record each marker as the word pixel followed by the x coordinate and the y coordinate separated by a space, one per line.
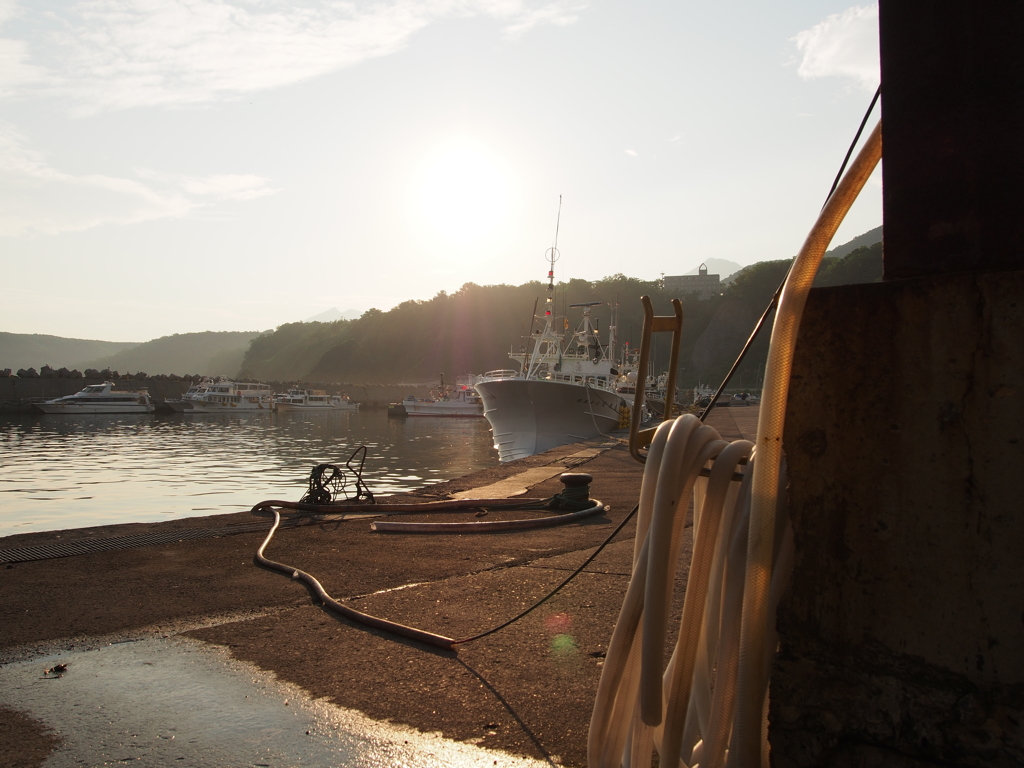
pixel 461 192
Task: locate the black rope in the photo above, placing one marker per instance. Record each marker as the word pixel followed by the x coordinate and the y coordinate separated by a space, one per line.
pixel 557 589
pixel 325 490
pixel 322 491
pixel 778 292
pixel 856 138
pixel 573 498
pixel 570 499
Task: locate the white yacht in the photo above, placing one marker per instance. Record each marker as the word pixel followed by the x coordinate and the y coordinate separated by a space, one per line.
pixel 184 403
pixel 223 396
pixel 313 400
pixel 563 392
pixel 101 398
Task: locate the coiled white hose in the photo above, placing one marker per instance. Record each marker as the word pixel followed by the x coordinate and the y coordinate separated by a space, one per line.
pixel 709 706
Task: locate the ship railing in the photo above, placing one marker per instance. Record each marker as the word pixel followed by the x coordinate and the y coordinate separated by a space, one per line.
pixel 596 381
pixel 502 374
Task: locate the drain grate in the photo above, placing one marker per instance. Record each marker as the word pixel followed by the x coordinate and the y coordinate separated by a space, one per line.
pixel 87 546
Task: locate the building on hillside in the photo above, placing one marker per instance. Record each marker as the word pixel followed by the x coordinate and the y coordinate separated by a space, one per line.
pixel 704 285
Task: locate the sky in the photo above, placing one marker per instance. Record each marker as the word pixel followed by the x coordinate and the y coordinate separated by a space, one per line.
pixel 173 166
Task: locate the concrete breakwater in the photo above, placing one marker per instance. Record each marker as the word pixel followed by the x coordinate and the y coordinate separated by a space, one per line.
pixel 17 394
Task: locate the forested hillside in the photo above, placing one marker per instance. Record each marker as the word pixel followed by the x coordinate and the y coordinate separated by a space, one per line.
pixel 34 350
pixel 473 329
pixel 469 331
pixel 209 354
pixel 868 239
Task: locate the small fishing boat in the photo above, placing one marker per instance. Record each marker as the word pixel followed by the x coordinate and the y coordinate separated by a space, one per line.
pixel 313 400
pixel 101 398
pixel 741 399
pixel 656 396
pixel 461 401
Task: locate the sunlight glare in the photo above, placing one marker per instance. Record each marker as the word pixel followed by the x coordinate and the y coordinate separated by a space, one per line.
pixel 461 192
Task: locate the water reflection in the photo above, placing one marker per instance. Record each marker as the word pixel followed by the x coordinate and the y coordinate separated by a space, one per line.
pixel 75 471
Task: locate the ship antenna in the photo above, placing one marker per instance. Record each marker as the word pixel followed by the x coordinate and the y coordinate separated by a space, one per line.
pixel 558 220
pixel 552 253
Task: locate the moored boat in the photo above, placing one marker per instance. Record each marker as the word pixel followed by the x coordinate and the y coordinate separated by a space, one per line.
pixel 741 399
pixel 101 398
pixel 313 400
pixel 184 403
pixel 562 393
pixel 224 396
pixel 463 400
pixel 656 396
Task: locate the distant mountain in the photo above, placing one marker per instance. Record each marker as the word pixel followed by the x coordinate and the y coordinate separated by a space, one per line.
pixel 34 350
pixel 209 354
pixel 333 314
pixel 721 267
pixel 868 239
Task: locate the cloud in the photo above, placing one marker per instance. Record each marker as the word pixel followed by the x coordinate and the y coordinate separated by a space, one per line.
pixel 38 199
pixel 845 45
pixel 558 14
pixel 16 72
pixel 631 152
pixel 217 186
pixel 116 54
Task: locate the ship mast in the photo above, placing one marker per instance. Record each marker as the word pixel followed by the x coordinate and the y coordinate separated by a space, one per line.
pixel 552 255
pixel 547 348
pixel 613 330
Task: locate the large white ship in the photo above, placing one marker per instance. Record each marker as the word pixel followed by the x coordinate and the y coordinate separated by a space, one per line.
pixel 563 392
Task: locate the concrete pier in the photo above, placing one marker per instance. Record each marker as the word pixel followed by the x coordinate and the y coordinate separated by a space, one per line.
pixel 527 690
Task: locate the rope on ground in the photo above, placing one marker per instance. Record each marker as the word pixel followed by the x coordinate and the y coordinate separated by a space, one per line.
pixel 557 589
pixel 320 595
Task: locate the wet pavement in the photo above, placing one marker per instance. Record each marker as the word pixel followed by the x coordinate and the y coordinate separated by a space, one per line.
pixel 178 701
pixel 208 628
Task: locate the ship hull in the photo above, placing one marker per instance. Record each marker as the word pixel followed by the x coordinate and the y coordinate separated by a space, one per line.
pixel 455 409
pixel 529 416
pixel 316 407
pixel 93 408
pixel 199 406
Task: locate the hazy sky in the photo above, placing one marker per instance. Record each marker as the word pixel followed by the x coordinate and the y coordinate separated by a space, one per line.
pixel 169 166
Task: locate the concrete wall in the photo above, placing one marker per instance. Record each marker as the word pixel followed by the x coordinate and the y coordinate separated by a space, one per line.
pixel 903 630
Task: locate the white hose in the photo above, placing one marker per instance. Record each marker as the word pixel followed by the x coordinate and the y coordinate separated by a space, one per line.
pixel 709 707
pixel 753 673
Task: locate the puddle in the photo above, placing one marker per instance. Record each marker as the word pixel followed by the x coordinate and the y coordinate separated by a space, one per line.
pixel 180 702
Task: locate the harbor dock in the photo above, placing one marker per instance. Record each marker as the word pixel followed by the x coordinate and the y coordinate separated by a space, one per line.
pixel 526 690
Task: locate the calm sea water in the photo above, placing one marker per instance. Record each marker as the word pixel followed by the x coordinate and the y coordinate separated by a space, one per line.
pixel 59 471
